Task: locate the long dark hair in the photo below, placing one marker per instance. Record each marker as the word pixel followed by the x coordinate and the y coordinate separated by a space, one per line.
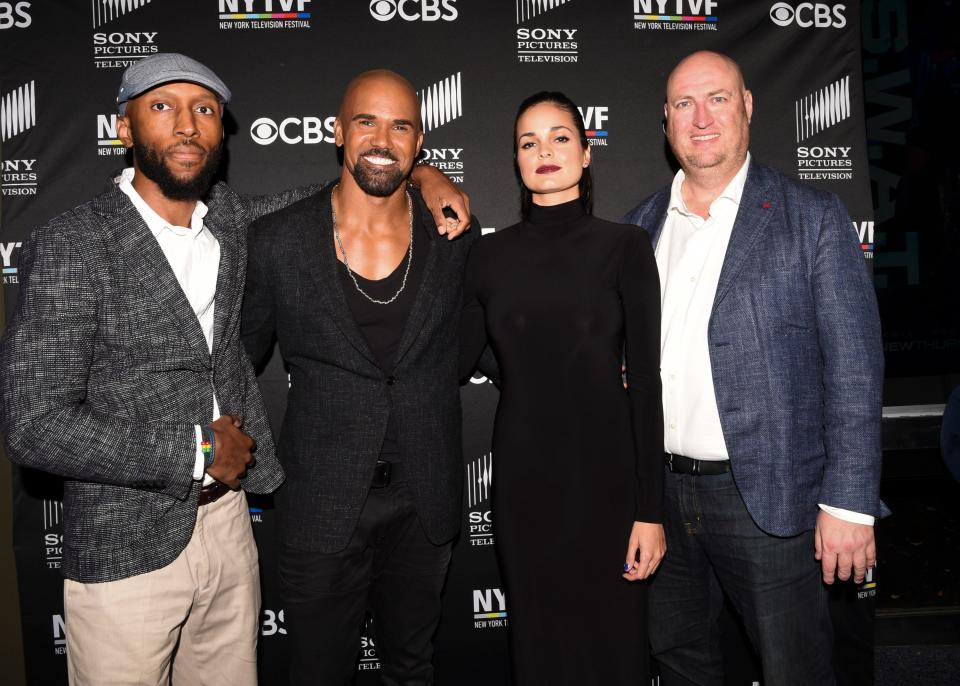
pixel 586 179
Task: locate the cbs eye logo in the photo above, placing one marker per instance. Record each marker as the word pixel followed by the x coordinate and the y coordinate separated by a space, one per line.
pixel 808 14
pixel 264 131
pixel 414 10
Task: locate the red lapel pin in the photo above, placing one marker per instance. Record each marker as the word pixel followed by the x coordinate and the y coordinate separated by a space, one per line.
pixel 766 205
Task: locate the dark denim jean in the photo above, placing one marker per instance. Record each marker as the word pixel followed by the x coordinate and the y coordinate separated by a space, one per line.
pixel 714 548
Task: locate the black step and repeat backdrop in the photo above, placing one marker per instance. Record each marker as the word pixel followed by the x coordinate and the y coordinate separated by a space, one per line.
pixel 472 61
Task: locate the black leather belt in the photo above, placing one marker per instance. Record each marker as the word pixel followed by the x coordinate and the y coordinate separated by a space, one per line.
pixel 212 493
pixel 383 473
pixel 678 464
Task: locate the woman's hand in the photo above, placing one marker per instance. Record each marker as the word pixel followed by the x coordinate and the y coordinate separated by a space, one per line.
pixel 645 550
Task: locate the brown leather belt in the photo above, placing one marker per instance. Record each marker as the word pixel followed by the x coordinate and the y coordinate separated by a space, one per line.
pixel 679 464
pixel 212 493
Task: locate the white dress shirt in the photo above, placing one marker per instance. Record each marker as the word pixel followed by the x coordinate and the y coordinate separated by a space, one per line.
pixel 194 256
pixel 690 254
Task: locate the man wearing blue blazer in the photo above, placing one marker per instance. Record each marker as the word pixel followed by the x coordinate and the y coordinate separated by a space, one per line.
pixel 772 375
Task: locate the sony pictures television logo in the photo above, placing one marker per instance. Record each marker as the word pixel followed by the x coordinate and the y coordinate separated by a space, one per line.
pixel 448 160
pixel 368 660
pixel 414 10
pixel 809 14
pixel 264 14
pixel 675 15
pixel 117 49
pixel 542 44
pixel 52 533
pixel 479 475
pixel 18 114
pixel 489 608
pixel 815 113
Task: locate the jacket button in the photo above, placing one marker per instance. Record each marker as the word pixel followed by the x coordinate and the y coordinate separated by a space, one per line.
pixel 390 380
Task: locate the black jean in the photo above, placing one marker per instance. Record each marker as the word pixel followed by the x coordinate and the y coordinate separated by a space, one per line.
pixel 714 547
pixel 389 569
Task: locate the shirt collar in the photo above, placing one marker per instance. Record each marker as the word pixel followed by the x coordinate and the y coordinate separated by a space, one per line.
pixel 733 192
pixel 154 221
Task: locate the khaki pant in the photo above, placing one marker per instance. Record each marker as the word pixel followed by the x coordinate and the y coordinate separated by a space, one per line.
pixel 197 617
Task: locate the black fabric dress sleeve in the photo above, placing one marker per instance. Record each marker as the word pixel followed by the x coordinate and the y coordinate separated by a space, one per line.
pixel 473 330
pixel 640 295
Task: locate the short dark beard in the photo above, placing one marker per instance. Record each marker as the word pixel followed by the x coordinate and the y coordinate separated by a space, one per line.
pixel 379 183
pixel 152 166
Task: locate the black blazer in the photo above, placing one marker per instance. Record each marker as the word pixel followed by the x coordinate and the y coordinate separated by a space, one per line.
pixel 340 398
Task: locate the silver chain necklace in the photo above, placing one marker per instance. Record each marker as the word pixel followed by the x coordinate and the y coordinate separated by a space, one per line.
pixel 336 234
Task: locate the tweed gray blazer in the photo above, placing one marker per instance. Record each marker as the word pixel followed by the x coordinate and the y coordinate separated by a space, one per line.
pixel 104 371
pixel 795 349
pixel 340 398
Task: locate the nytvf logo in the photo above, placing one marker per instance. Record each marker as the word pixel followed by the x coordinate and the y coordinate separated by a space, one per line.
pixel 865 235
pixel 595 123
pixel 9 269
pixel 107 141
pixel 489 608
pixel 263 6
pixel 59 635
pixel 679 8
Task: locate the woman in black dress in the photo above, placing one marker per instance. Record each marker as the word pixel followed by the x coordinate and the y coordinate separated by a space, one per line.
pixel 563 299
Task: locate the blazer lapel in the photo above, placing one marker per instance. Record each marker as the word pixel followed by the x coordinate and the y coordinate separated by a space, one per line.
pixel 752 220
pixel 228 296
pixel 429 288
pixel 139 249
pixel 658 209
pixel 324 266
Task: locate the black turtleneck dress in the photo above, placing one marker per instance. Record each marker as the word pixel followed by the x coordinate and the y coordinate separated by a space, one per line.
pixel 563 299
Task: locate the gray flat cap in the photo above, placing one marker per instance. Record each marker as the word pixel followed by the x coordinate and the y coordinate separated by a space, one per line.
pixel 167 67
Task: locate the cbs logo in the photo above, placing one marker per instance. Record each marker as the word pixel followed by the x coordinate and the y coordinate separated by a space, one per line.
pixel 414 10
pixel 808 14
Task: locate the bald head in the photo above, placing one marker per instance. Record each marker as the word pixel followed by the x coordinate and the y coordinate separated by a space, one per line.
pixel 707 60
pixel 379 84
pixel 380 132
pixel 707 113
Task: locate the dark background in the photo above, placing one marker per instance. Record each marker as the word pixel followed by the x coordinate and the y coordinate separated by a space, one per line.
pixel 903 86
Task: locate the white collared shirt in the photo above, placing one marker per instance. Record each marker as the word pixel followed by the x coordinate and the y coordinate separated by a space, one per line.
pixel 690 254
pixel 194 256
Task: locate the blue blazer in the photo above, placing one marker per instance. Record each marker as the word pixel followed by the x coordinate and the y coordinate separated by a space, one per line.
pixel 796 354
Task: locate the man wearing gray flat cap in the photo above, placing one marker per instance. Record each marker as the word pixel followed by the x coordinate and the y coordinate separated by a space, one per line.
pixel 122 371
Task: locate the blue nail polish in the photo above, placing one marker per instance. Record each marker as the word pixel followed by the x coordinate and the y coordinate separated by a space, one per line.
pixel 626 566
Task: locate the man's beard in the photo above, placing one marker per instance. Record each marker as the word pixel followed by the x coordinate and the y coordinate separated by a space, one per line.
pixel 195 187
pixel 376 181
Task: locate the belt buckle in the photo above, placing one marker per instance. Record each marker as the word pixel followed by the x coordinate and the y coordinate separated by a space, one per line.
pixel 381 474
pixel 695 468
